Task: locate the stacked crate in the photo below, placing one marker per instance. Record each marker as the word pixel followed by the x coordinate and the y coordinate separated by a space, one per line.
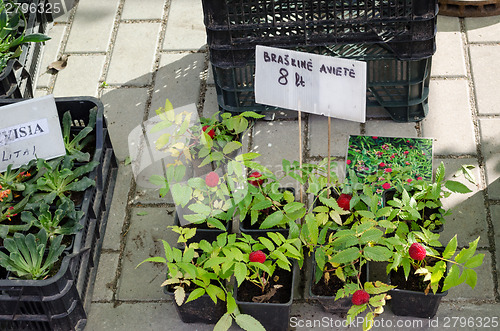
pixel 395 37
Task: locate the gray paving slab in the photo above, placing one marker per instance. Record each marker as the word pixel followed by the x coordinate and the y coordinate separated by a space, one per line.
pixel 484 289
pixel 124 109
pixel 468 218
pixel 483 29
pixel 142 10
pixel 80 77
pixel 210 106
pixel 485 68
pixel 151 316
pixel 106 274
pixel 62 10
pixel 390 128
pixel 148 226
pixel 92 26
pixel 340 131
pixel 118 209
pixel 490 145
pixel 284 146
pixel 178 79
pixel 50 54
pixel 495 219
pixel 449 119
pixel 185 28
pixel 449 59
pixel 132 62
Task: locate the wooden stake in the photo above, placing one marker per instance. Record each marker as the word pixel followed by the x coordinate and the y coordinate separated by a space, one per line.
pixel 300 151
pixel 329 156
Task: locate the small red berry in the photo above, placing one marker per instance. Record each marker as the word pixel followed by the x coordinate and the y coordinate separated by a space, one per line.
pixel 348 162
pixel 360 297
pixel 409 180
pixel 381 164
pixel 212 179
pixel 417 252
pixel 257 256
pixel 256 182
pixel 386 186
pixel 419 178
pixel 211 132
pixel 374 137
pixel 344 201
pixel 388 170
pixel 406 152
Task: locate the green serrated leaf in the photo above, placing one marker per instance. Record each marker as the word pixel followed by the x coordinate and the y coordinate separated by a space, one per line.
pixel 457 187
pixel 248 323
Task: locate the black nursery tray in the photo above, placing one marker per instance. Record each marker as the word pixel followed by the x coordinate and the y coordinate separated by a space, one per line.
pixel 61 302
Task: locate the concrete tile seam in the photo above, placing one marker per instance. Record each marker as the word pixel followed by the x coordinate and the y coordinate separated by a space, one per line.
pixel 158 54
pixel 480 156
pixel 139 21
pixel 112 40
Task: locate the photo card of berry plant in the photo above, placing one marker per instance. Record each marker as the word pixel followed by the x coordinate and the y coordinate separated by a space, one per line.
pixel 388 161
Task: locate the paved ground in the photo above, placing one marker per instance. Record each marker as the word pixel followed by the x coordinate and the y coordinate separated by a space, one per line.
pixel 133 54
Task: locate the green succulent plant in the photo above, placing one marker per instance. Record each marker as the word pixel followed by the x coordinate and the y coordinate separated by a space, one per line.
pixel 27 258
pixel 64 220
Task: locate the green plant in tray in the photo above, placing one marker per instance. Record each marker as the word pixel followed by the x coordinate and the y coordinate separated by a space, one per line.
pixel 63 221
pixel 74 144
pixel 12 32
pixel 27 256
pixel 58 181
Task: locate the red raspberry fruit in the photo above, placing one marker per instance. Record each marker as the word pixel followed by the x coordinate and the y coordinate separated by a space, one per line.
pixel 256 182
pixel 257 256
pixel 417 252
pixel 212 179
pixel 344 201
pixel 386 186
pixel 360 297
pixel 210 133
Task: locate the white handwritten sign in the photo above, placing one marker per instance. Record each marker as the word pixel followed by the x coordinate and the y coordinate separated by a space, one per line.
pixel 312 83
pixel 30 129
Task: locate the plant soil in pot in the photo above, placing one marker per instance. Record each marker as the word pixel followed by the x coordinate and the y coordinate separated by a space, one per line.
pixel 201 310
pixel 255 231
pixel 413 301
pixel 203 231
pixel 272 313
pixel 325 292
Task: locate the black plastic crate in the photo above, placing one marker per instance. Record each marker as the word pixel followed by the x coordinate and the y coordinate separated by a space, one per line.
pixel 61 302
pixel 38 15
pixel 401 87
pixel 17 78
pixel 233 25
pixel 15 81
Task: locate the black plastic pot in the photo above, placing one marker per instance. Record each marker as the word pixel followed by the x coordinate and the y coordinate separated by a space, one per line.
pixel 415 303
pixel 255 232
pixel 201 310
pixel 329 304
pixel 209 235
pixel 273 316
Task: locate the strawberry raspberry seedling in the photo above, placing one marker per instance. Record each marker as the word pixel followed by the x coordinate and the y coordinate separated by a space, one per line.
pixel 417 252
pixel 360 297
pixel 257 256
pixel 212 179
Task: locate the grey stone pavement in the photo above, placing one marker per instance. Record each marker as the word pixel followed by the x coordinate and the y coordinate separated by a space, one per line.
pixel 134 54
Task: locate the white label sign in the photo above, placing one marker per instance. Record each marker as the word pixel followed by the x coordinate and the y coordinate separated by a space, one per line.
pixel 312 83
pixel 30 129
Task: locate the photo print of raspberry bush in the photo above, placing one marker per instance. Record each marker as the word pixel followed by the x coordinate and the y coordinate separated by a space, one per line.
pixel 388 161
